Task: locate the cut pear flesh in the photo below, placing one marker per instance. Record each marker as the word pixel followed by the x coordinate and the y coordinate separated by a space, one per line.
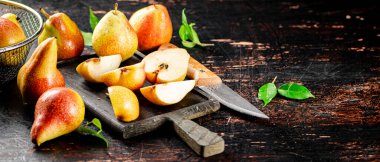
pixel 167 93
pixel 93 68
pixel 132 77
pixel 166 65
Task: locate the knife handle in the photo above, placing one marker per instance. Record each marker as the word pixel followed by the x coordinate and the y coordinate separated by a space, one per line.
pixel 200 139
pixel 197 71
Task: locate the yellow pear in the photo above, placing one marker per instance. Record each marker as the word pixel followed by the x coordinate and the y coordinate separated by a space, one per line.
pixel 114 34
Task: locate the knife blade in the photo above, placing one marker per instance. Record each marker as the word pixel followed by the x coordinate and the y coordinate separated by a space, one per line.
pixel 232 100
pixel 211 83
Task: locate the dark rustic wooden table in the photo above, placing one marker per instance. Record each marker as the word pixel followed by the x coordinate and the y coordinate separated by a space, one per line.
pixel 332 48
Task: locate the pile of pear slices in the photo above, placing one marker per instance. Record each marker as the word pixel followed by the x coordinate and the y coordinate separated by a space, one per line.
pixel 166 69
pixel 115 39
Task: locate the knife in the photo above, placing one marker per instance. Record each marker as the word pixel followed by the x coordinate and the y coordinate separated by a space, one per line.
pixel 209 82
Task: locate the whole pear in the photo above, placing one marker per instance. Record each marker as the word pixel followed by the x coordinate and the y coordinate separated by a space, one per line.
pixel 58 111
pixel 114 35
pixel 11 31
pixel 69 38
pixel 153 27
pixel 40 72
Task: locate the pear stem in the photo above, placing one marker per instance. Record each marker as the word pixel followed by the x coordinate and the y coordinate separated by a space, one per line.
pixel 274 80
pixel 116 5
pixel 45 13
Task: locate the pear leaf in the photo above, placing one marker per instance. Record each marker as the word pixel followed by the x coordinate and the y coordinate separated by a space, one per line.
pixel 188 44
pixel 97 123
pixel 183 32
pixel 193 35
pixel 188 35
pixel 87 36
pixel 295 91
pixel 184 18
pixel 93 19
pixel 267 92
pixel 88 131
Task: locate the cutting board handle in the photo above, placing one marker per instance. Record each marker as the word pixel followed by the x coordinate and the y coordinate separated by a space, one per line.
pixel 200 139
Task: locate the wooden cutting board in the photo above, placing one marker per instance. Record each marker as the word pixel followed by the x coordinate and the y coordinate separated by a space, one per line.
pixel 196 104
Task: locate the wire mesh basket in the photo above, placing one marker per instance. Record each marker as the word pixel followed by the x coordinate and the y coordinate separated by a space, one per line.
pixel 13 57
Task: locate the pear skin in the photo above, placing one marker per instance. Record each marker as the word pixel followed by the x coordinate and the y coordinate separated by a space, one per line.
pixel 114 35
pixel 153 26
pixel 40 72
pixel 124 103
pixel 11 31
pixel 69 38
pixel 13 18
pixel 58 111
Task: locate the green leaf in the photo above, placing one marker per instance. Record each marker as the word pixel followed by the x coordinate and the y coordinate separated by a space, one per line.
pixel 267 92
pixel 97 123
pixel 187 32
pixel 93 19
pixel 193 36
pixel 295 91
pixel 88 131
pixel 183 33
pixel 188 44
pixel 184 18
pixel 87 38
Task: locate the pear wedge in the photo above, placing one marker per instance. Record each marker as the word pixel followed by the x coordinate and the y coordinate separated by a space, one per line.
pixel 167 93
pixel 167 65
pixel 131 77
pixel 124 103
pixel 92 69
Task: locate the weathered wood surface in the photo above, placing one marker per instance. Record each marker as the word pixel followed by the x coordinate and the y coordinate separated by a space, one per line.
pixel 332 48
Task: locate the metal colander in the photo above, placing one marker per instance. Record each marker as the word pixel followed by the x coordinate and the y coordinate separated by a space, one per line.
pixel 13 57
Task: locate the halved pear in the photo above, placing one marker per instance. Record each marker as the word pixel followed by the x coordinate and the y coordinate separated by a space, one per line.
pixel 131 77
pixel 167 65
pixel 124 103
pixel 167 93
pixel 93 68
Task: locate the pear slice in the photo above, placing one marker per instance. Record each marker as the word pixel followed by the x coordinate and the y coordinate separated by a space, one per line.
pixel 124 103
pixel 167 65
pixel 167 93
pixel 93 68
pixel 132 77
